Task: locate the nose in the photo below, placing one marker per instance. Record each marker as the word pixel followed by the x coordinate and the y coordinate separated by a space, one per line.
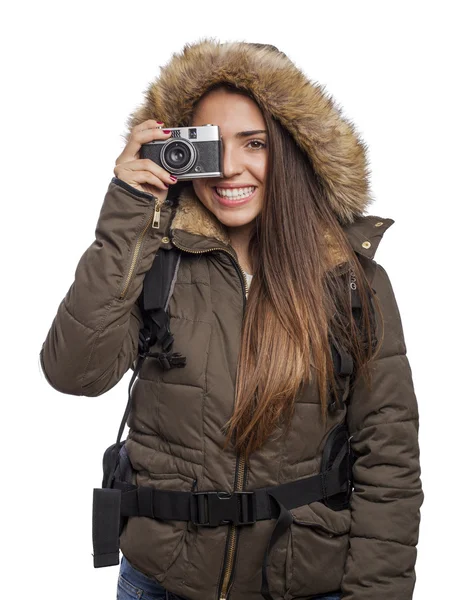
pixel 231 162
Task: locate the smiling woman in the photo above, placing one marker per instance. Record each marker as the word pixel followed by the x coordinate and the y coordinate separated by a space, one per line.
pixel 282 461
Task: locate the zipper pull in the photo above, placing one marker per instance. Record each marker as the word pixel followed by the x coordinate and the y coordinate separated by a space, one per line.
pixel 156 215
pixel 352 279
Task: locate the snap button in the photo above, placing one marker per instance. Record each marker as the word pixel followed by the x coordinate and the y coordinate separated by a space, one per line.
pixel 366 244
pixel 165 240
pixel 379 223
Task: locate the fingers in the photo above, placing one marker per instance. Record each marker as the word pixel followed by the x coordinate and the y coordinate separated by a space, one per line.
pixel 142 134
pixel 156 175
pixel 143 173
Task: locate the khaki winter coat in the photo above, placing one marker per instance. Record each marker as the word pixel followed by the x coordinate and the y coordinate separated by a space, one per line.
pixel 367 551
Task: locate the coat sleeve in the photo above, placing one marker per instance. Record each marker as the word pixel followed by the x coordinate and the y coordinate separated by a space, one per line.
pixel 387 494
pixel 93 339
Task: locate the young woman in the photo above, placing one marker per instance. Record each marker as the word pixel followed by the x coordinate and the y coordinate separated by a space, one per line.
pixel 260 395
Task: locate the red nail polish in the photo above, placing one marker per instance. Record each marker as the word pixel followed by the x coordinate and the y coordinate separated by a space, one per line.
pixel 173 178
pixel 166 131
pixel 159 122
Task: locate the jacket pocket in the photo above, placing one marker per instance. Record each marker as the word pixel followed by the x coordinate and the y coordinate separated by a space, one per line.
pixel 154 544
pixel 319 544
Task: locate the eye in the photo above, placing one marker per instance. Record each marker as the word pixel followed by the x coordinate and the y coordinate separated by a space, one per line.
pixel 263 145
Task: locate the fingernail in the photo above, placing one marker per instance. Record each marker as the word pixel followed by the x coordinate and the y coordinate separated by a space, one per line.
pixel 166 131
pixel 159 122
pixel 173 178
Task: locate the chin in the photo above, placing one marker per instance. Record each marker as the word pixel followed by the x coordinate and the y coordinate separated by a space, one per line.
pixel 233 222
pixel 230 219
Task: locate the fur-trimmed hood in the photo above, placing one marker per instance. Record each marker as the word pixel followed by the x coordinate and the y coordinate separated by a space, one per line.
pixel 304 109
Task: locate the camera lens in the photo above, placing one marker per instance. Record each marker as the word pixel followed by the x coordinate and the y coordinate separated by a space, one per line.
pixel 178 156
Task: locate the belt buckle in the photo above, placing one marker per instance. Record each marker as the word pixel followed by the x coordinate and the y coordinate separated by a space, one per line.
pixel 247 508
pixel 211 509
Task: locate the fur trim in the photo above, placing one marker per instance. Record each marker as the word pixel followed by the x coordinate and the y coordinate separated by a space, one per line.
pixel 192 216
pixel 302 107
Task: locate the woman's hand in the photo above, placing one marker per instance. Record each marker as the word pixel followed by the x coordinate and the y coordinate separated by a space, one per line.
pixel 142 173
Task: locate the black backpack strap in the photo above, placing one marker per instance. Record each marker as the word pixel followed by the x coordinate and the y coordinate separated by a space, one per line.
pixel 159 283
pixel 157 290
pixel 342 360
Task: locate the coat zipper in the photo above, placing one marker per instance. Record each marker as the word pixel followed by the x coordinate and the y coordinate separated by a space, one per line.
pixel 232 534
pixel 153 220
pixel 240 462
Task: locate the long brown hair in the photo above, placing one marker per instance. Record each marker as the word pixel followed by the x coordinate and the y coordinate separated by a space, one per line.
pixel 296 301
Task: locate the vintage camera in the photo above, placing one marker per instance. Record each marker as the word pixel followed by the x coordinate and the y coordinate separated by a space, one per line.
pixel 190 152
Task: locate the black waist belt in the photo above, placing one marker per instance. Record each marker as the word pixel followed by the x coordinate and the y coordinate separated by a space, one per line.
pixel 212 508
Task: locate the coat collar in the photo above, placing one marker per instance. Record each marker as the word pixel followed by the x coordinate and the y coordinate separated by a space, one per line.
pixel 195 228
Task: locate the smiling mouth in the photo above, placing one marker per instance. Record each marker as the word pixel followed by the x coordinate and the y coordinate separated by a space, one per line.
pixel 235 193
pixel 234 200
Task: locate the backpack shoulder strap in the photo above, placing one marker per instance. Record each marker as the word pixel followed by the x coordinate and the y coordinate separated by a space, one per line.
pixel 160 279
pixel 159 283
pixel 342 360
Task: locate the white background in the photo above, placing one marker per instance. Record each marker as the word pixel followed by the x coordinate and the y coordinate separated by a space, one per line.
pixel 71 76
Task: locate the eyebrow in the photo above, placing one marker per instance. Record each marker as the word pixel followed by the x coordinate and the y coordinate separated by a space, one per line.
pixel 242 134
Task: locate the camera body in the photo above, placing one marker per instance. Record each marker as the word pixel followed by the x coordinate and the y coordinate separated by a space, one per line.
pixel 190 152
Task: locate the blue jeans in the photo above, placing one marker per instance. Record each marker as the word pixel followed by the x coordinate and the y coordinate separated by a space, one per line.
pixel 134 585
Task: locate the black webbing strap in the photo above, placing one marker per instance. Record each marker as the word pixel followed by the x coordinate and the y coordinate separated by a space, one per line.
pixel 106 519
pixel 211 508
pixel 343 367
pixel 140 362
pixel 342 360
pixel 330 481
pixel 159 283
pixel 160 280
pixel 157 289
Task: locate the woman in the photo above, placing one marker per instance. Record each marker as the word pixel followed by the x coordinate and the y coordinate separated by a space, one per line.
pixel 259 394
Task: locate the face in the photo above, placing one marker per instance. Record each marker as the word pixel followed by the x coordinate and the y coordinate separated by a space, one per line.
pixel 245 158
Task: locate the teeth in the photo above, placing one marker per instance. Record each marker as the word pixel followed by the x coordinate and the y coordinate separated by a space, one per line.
pixel 236 192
